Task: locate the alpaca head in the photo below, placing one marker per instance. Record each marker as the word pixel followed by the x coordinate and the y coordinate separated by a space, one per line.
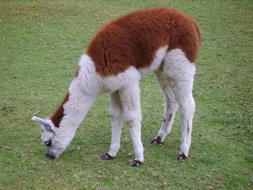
pixel 49 137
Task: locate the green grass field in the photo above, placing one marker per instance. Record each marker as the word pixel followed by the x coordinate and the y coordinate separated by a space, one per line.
pixel 38 38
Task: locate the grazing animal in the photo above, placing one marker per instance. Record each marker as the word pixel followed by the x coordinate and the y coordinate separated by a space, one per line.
pixel 159 40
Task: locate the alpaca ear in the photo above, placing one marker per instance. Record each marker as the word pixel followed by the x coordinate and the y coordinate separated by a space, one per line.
pixel 43 123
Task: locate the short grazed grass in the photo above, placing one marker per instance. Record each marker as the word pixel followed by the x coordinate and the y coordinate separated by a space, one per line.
pixel 41 42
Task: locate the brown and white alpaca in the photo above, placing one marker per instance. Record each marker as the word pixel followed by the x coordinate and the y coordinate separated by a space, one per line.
pixel 159 40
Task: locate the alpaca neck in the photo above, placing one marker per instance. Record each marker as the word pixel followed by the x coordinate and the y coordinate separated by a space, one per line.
pixel 83 92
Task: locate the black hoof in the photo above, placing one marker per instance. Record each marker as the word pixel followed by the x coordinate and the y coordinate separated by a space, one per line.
pixel 181 157
pixel 51 156
pixel 157 140
pixel 136 163
pixel 107 156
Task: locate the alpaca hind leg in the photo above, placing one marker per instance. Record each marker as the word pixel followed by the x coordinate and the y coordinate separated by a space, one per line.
pixel 170 107
pixel 182 71
pixel 187 108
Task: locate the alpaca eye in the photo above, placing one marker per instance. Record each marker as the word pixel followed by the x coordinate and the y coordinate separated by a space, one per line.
pixel 48 143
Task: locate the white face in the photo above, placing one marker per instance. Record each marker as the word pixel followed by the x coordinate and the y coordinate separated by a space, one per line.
pixel 48 137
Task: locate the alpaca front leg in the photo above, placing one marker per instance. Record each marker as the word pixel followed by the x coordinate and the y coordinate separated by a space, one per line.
pixel 130 99
pixel 135 133
pixel 115 111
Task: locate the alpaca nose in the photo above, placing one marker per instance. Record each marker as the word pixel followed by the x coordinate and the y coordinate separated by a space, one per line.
pixel 50 155
pixel 48 143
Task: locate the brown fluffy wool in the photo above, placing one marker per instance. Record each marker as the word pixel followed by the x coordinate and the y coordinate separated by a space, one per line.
pixel 59 113
pixel 132 40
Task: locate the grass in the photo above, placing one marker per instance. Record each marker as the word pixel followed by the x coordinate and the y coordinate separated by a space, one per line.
pixel 39 37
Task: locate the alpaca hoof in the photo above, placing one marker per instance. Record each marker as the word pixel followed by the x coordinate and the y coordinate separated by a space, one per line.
pixel 181 157
pixel 136 163
pixel 157 140
pixel 107 156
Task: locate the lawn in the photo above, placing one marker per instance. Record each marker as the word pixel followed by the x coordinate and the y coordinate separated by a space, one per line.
pixel 38 38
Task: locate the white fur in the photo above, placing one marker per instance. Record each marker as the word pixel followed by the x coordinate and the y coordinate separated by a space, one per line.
pixel 179 69
pixel 115 111
pixel 130 99
pixel 83 92
pixel 175 77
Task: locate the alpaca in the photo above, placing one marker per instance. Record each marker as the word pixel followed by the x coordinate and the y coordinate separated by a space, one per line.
pixel 159 40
